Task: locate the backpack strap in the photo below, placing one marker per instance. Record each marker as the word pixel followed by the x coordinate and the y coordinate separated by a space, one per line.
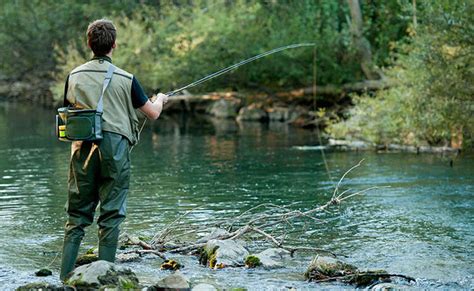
pixel 108 78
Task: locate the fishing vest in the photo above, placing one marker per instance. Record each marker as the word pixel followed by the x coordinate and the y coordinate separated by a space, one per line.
pixel 85 86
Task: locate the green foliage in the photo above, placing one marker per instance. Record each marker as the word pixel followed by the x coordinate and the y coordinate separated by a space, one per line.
pixel 432 101
pixel 172 45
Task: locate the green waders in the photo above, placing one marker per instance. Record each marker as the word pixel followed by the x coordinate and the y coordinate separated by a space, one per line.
pixel 98 173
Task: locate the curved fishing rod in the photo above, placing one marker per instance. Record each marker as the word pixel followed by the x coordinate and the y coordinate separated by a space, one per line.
pixel 228 69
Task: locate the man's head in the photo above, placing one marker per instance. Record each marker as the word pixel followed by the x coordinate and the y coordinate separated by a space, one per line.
pixel 101 36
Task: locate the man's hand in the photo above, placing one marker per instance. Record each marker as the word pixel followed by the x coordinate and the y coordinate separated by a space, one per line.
pixel 162 97
pixel 152 108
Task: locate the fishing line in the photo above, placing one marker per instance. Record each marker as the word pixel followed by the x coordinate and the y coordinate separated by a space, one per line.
pixel 228 69
pixel 317 125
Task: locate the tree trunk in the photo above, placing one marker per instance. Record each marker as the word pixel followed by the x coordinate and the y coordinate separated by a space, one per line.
pixel 362 45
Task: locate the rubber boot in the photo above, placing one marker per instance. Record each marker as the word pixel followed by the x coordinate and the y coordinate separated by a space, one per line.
pixel 68 260
pixel 107 253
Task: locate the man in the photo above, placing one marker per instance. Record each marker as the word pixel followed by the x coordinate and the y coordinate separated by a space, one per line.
pixel 99 172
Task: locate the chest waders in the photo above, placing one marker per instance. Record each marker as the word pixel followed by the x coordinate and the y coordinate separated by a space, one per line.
pixel 99 174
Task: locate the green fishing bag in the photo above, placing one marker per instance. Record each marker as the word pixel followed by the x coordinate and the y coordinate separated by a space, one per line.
pixel 74 124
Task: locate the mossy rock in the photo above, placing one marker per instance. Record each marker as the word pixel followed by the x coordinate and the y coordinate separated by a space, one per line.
pixel 43 272
pixel 326 267
pixel 171 265
pixel 91 251
pixel 86 259
pixel 102 274
pixel 43 287
pixel 252 262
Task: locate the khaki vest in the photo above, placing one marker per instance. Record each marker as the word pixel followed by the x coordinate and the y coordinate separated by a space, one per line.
pixel 85 86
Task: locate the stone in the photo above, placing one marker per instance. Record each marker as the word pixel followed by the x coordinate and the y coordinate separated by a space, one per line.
pixel 102 273
pixel 171 265
pixel 218 254
pixel 85 259
pixel 43 272
pixel 252 261
pixel 215 234
pixel 296 112
pixel 272 258
pixel 278 114
pixel 322 267
pixel 387 286
pixel 126 258
pixel 252 113
pixel 41 286
pixel 171 282
pixel 224 108
pixel 204 287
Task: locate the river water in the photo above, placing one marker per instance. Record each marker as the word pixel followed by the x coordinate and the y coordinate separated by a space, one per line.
pixel 422 226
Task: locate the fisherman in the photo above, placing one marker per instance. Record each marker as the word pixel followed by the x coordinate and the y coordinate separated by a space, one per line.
pixel 99 172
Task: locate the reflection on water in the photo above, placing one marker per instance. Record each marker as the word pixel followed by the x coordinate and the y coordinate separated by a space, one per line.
pixel 421 226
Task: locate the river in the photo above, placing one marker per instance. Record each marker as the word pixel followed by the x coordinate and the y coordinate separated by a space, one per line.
pixel 422 226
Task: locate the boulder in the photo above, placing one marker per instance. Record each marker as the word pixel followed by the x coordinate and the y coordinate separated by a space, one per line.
pixel 252 113
pixel 278 113
pixel 224 108
pixel 387 286
pixel 273 258
pixel 171 282
pixel 322 267
pixel 204 287
pixel 41 286
pixel 296 112
pixel 102 273
pixel 219 254
pixel 125 258
pixel 85 259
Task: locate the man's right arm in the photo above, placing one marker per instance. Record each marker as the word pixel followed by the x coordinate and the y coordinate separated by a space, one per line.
pixel 150 107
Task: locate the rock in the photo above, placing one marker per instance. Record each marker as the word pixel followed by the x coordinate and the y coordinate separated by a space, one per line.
pixel 322 267
pixel 43 287
pixel 272 258
pixel 278 114
pixel 102 273
pixel 387 286
pixel 204 287
pixel 219 254
pixel 86 259
pixel 215 234
pixel 125 258
pixel 43 272
pixel 171 265
pixel 171 282
pixel 252 113
pixel 296 113
pixel 252 262
pixel 224 108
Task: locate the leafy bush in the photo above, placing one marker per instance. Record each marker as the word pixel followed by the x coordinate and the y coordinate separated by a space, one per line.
pixel 432 101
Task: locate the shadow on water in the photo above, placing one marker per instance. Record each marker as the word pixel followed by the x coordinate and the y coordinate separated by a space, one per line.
pixel 421 226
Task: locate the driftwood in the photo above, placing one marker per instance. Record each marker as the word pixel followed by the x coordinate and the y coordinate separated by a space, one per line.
pixel 267 223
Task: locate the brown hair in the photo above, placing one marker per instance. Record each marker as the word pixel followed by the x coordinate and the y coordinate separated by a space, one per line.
pixel 101 36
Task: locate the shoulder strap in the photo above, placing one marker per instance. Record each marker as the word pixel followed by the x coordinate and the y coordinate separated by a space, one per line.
pixel 108 77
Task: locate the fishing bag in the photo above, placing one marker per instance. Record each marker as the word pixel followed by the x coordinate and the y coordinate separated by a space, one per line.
pixel 74 124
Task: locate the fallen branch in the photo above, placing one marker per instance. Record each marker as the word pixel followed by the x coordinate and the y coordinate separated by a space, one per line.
pixel 267 220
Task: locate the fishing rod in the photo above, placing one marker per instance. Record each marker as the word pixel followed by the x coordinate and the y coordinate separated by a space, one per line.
pixel 228 69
